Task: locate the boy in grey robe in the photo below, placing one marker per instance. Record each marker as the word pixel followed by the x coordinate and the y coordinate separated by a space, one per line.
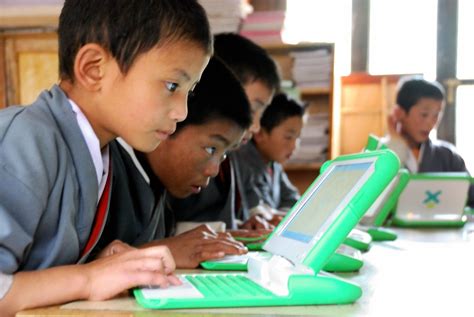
pixel 121 75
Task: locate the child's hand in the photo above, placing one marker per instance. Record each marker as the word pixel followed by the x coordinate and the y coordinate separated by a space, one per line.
pixel 250 235
pixel 276 219
pixel 201 244
pixel 114 247
pixel 256 222
pixel 109 276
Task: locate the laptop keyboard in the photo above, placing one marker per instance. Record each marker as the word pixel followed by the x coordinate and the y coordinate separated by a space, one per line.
pixel 232 285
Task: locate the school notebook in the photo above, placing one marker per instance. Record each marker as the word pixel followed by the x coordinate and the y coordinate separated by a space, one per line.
pixel 300 246
pixel 433 199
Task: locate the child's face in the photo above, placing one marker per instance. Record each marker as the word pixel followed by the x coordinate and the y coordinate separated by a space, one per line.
pixel 259 96
pixel 417 124
pixel 279 144
pixel 185 162
pixel 144 105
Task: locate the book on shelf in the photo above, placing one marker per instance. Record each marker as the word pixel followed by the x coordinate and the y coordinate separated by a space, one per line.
pixel 225 15
pixel 312 68
pixel 314 140
pixel 264 27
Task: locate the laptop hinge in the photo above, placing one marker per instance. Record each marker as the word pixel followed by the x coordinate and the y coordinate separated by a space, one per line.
pixel 273 273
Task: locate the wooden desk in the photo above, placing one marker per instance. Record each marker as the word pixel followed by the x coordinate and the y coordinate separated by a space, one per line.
pixel 422 273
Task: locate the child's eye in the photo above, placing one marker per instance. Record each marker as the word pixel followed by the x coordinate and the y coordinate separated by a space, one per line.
pixel 171 86
pixel 211 150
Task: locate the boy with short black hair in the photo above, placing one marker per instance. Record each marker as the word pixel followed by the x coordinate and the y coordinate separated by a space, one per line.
pixel 419 108
pixel 221 201
pixel 269 192
pixel 126 67
pixel 218 116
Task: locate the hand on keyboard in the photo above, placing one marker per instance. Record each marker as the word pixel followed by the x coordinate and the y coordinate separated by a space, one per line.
pixel 200 244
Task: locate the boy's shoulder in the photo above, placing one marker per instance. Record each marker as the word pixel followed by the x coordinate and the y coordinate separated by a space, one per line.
pixel 36 121
pixel 248 155
pixel 441 145
pixel 35 138
pixel 246 151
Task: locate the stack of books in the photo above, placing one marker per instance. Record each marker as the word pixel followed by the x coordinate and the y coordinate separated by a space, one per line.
pixel 314 140
pixel 264 27
pixel 225 15
pixel 312 69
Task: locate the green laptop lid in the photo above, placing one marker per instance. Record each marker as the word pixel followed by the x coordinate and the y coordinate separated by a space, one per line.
pixel 383 206
pixel 433 199
pixel 331 207
pixel 373 143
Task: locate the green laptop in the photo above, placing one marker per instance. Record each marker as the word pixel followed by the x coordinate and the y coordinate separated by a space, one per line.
pixel 374 220
pixel 377 216
pixel 298 248
pixel 433 200
pixel 345 259
pixel 358 239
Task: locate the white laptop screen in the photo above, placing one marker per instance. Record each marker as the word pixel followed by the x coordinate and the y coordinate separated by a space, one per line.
pixel 318 208
pixel 433 199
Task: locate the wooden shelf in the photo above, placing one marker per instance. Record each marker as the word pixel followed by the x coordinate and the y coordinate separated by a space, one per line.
pixel 310 91
pixel 319 100
pixel 29 16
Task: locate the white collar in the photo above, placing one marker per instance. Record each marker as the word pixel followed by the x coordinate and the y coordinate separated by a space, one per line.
pixel 134 158
pixel 100 158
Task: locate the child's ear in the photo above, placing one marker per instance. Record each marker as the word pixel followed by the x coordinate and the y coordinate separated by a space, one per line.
pixel 398 113
pixel 89 66
pixel 259 135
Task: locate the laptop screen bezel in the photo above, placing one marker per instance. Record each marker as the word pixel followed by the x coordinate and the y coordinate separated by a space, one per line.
pixel 295 250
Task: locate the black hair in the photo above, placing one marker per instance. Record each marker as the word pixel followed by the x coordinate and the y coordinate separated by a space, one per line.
pixel 128 28
pixel 413 89
pixel 218 96
pixel 247 60
pixel 281 108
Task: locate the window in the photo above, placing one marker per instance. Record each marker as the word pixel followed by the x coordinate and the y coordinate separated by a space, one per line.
pixel 321 21
pixel 465 51
pixel 402 37
pixel 464 129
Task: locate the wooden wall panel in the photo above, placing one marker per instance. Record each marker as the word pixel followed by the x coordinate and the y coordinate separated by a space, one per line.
pixel 36 72
pixel 366 101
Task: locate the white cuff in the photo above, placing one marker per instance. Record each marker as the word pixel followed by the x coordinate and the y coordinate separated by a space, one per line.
pixel 6 282
pixel 264 211
pixel 183 226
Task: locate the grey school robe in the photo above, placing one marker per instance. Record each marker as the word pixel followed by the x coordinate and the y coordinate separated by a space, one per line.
pixel 137 214
pixel 274 189
pixel 435 156
pixel 48 185
pixel 441 156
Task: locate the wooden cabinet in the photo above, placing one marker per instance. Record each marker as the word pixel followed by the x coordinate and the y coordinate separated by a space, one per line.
pixel 318 93
pixel 366 101
pixel 28 64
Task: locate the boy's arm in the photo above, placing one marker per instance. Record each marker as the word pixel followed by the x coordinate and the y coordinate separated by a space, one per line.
pixel 289 194
pixel 97 280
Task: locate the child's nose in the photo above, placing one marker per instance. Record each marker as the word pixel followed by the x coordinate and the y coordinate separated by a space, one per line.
pixel 212 168
pixel 180 110
pixel 293 145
